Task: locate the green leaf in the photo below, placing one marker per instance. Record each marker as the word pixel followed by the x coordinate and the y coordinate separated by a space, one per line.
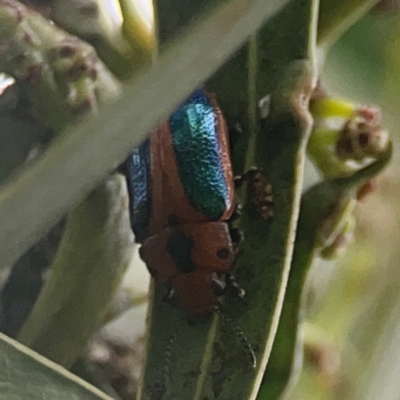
pixel 337 16
pixel 286 358
pixel 26 375
pixel 208 361
pixel 174 16
pixel 93 255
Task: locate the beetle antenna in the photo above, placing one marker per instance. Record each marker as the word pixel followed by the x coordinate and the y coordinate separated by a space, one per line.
pixel 166 370
pixel 167 358
pixel 239 334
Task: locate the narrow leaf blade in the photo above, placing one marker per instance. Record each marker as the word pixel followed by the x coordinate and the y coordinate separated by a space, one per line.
pixel 26 375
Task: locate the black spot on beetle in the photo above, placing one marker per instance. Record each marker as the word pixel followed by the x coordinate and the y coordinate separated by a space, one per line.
pixel 223 254
pixel 173 220
pixel 180 247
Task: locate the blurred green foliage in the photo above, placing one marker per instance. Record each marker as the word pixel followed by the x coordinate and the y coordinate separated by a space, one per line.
pixel 352 301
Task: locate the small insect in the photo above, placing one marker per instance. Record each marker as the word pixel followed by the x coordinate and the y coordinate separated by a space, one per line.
pixel 181 190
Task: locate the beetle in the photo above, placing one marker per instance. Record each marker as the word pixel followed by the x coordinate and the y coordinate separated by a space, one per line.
pixel 181 190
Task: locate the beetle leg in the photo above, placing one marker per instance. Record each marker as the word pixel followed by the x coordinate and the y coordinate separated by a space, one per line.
pixel 236 233
pixel 236 236
pixel 170 297
pixel 233 287
pixel 259 193
pixel 229 284
pixel 249 174
pixel 261 196
pixel 219 287
pixel 237 211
